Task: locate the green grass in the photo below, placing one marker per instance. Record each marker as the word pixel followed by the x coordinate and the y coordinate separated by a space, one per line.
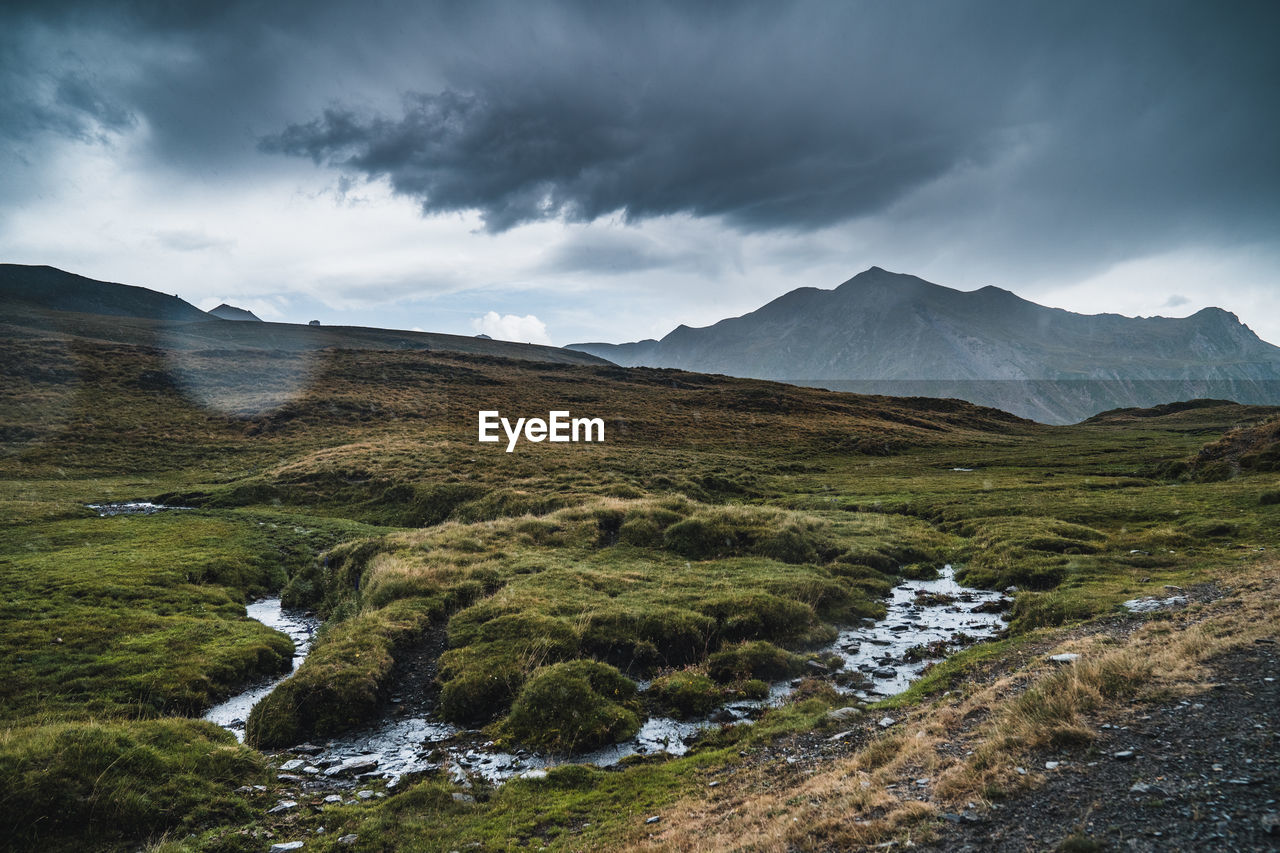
pixel 714 539
pixel 116 782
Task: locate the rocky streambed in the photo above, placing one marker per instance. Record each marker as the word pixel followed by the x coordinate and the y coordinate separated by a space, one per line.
pixel 925 621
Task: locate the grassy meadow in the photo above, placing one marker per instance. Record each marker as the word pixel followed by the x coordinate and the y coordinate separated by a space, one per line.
pixel 710 544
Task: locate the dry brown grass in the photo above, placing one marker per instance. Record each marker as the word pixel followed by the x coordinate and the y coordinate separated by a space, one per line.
pixel 969 746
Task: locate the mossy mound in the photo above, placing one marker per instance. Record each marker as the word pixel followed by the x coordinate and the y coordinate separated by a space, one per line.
pixel 685 694
pixel 574 706
pixel 1244 450
pixel 759 659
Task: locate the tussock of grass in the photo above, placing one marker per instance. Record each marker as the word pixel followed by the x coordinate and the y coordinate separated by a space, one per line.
pixel 575 706
pixel 119 780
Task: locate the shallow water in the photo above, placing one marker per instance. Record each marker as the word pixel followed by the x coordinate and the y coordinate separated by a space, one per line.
pixel 299 627
pixel 877 649
pixel 873 649
pixel 130 508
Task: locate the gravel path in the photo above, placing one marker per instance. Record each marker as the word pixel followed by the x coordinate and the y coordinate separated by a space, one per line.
pixel 1200 774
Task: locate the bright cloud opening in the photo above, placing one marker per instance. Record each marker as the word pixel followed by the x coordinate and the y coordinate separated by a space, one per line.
pixel 512 327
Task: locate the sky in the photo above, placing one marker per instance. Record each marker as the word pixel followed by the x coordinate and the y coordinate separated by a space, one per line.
pixel 604 171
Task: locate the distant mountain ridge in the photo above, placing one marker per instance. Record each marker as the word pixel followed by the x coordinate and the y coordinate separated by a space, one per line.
pixel 884 332
pixel 42 302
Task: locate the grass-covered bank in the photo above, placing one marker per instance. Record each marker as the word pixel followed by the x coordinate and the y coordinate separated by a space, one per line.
pixel 709 543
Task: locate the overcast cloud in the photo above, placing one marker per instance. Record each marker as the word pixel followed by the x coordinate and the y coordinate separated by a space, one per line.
pixel 617 169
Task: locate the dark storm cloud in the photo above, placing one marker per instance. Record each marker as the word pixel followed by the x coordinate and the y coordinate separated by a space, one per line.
pixel 767 119
pixel 68 101
pixel 1157 116
pixel 1036 130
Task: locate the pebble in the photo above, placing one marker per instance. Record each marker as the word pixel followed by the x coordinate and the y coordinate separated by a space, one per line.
pixel 886 722
pixel 714 783
pixel 653 819
pixel 1067 657
pixel 846 713
pixel 333 798
pixel 348 839
pixel 1123 755
pixel 840 736
pixel 1052 765
pixel 283 846
pixel 283 806
pixel 294 764
pixel 365 794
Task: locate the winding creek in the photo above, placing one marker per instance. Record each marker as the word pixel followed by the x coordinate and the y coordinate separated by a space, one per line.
pixel 924 622
pixel 932 617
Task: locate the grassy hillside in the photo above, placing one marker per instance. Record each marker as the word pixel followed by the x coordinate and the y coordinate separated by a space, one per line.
pixel 713 539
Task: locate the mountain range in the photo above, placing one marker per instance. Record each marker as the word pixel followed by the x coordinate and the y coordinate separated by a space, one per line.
pixel 888 333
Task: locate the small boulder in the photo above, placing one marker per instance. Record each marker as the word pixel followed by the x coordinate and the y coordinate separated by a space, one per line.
pixel 840 715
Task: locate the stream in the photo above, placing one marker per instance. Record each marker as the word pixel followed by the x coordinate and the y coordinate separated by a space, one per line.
pixel 925 621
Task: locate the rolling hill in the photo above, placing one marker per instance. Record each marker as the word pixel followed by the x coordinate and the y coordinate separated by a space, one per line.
pixel 39 302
